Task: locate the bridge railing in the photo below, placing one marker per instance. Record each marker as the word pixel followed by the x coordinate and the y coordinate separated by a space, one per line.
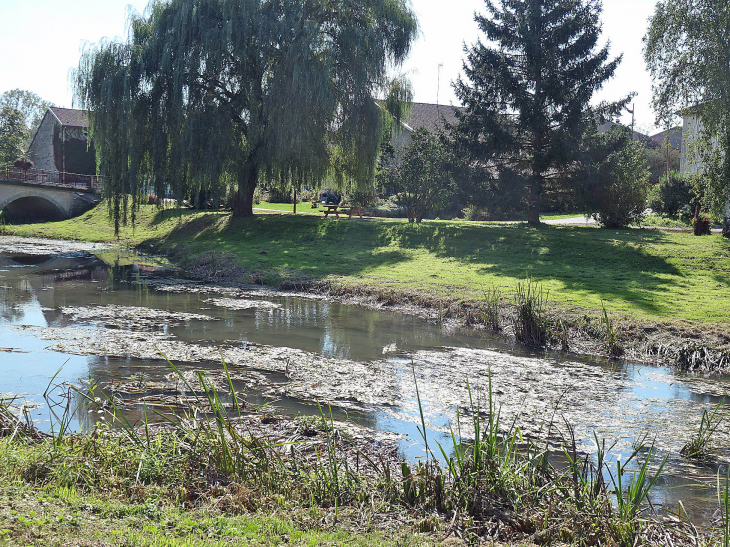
pixel 84 183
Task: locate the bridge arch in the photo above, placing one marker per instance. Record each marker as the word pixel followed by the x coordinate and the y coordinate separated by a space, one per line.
pixel 31 205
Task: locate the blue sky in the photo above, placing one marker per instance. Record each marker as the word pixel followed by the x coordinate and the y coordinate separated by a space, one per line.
pixel 42 40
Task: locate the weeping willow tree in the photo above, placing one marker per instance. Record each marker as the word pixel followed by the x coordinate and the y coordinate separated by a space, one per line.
pixel 216 95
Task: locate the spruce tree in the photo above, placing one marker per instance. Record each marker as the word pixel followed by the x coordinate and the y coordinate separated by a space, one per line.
pixel 527 92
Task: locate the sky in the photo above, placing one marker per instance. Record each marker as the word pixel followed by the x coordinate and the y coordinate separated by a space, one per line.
pixel 42 41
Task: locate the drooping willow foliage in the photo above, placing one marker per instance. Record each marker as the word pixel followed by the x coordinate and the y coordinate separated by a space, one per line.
pixel 216 95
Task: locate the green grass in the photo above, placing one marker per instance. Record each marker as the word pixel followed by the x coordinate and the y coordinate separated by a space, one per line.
pixel 666 221
pixel 287 207
pixel 646 273
pixel 54 515
pixel 558 216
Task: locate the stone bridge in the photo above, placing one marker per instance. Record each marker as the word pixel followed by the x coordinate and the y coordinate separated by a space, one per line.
pixel 28 197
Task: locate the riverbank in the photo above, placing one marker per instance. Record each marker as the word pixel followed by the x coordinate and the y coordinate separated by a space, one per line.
pixel 666 293
pixel 236 476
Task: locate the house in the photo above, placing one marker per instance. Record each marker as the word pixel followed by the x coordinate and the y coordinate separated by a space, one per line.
pixel 674 138
pixel 424 115
pixel 690 164
pixel 691 128
pixel 61 143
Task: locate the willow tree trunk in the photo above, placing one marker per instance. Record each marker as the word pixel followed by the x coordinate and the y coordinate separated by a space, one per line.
pixel 243 200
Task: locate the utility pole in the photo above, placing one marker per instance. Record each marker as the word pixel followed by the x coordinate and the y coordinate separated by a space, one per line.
pixel 631 111
pixel 438 85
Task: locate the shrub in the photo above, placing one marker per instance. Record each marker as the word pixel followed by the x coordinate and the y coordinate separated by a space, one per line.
pixel 671 194
pixel 615 179
pixel 278 195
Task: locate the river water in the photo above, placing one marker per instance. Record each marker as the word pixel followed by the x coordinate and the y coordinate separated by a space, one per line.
pixel 84 311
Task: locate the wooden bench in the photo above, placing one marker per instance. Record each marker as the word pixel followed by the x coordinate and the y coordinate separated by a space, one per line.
pixel 338 210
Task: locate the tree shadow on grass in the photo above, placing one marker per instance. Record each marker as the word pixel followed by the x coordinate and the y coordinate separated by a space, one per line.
pixel 611 264
pixel 311 245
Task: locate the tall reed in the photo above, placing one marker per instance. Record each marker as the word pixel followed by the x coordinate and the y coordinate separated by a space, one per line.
pixel 532 321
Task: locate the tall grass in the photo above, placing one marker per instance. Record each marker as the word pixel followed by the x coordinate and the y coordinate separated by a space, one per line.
pixel 631 497
pixel 492 297
pixel 531 321
pixel 696 447
pixel 610 335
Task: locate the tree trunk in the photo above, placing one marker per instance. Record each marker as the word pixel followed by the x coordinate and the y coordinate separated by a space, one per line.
pixel 726 220
pixel 533 201
pixel 243 200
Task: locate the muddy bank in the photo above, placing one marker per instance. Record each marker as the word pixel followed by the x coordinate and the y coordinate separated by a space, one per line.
pixel 679 344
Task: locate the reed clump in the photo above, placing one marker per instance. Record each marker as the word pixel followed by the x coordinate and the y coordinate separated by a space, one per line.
pixel 697 447
pixel 532 321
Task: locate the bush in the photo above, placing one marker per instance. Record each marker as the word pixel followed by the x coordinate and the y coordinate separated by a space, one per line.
pixel 277 195
pixel 616 179
pixel 671 194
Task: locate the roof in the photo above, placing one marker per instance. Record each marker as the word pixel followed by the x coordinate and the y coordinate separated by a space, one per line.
pixel 70 117
pixel 640 137
pixel 429 116
pixel 675 137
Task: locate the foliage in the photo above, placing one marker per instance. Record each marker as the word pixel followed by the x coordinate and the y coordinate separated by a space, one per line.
pixel 23 163
pixel 687 50
pixel 32 106
pixel 13 134
pixel 526 94
pixel 210 92
pixel 656 157
pixel 421 178
pixel 615 178
pixel 670 195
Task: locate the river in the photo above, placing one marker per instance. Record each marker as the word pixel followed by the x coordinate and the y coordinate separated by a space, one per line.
pixel 87 311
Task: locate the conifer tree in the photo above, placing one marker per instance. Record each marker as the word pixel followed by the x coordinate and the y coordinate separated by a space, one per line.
pixel 209 96
pixel 527 92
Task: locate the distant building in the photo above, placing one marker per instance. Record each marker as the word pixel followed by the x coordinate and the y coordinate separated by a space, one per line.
pixel 424 115
pixel 61 143
pixel 690 163
pixel 674 140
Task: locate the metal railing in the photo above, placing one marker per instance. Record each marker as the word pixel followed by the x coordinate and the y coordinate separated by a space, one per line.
pixel 84 183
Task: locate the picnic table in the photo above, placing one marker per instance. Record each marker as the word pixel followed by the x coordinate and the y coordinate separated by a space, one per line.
pixel 337 210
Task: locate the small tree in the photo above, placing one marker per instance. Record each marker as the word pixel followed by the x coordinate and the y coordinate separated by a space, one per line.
pixel 13 134
pixel 671 194
pixel 422 179
pixel 616 179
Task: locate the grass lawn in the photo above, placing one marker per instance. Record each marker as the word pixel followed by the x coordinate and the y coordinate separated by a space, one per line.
pixel 53 516
pixel 646 273
pixel 557 216
pixel 288 207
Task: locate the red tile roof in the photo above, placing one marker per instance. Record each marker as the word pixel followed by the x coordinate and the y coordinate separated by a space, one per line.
pixel 71 117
